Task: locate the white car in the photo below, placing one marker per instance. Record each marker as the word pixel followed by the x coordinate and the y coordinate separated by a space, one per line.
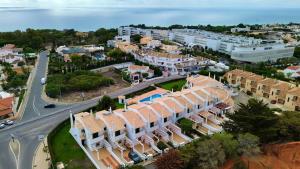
pixel 2 125
pixel 9 122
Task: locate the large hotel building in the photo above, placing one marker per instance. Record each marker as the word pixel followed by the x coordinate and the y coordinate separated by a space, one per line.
pixel 245 49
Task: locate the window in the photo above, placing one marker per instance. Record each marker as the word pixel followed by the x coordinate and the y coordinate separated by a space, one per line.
pixel 288 99
pixel 152 124
pixel 97 144
pixel 95 135
pixel 188 110
pixel 117 133
pixel 137 130
pixel 104 128
pixel 165 119
pixel 177 115
pixel 272 93
pixel 198 106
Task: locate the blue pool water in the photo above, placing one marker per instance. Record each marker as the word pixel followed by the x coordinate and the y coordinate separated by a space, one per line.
pixel 150 98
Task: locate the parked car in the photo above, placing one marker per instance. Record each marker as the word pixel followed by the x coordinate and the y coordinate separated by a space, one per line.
pixel 9 122
pixel 2 125
pixel 49 106
pixel 134 157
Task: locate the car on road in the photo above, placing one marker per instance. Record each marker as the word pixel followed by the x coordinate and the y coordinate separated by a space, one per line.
pixel 9 122
pixel 2 125
pixel 49 106
pixel 134 157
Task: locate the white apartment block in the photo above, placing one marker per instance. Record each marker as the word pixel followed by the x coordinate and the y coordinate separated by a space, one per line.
pixel 246 49
pixel 171 63
pixel 108 136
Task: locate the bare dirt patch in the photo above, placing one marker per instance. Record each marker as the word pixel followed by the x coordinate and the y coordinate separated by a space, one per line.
pixel 77 96
pixel 277 156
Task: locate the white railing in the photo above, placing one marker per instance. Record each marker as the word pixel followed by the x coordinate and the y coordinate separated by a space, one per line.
pixel 197 118
pixel 129 142
pixel 174 128
pixel 162 134
pixel 212 129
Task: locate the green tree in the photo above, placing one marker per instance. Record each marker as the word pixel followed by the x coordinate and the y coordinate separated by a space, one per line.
pixel 290 126
pixel 170 160
pixel 254 117
pixel 186 125
pixel 106 103
pixel 248 145
pixel 228 142
pixel 136 38
pixel 206 154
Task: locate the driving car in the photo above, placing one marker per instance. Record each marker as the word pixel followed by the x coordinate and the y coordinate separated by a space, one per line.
pixel 134 157
pixel 49 106
pixel 8 122
pixel 2 125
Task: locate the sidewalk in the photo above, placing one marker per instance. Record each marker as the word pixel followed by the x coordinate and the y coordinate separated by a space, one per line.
pixel 41 158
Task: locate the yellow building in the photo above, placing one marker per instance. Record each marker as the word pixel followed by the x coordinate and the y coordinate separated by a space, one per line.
pixel 264 87
pixel 292 100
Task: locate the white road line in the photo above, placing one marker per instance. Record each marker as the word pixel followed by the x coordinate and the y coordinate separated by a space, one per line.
pixel 34 107
pixel 16 159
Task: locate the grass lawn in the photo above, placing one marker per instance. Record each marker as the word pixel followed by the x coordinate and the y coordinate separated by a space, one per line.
pixel 65 149
pixel 119 106
pixel 176 85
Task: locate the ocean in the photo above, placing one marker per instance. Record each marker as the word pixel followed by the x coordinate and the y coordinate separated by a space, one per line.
pixel 86 19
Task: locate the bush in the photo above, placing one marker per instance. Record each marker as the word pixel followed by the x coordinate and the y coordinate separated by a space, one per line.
pixel 186 125
pixel 161 145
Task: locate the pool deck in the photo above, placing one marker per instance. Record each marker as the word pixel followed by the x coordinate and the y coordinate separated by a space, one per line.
pixel 145 95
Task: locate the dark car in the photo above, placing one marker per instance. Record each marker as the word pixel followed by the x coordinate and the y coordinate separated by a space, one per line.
pixel 134 157
pixel 49 106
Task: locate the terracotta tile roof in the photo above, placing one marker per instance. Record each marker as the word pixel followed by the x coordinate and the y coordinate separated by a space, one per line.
pixel 268 82
pixel 6 106
pixel 255 78
pixel 295 91
pixel 143 110
pixel 293 67
pixel 132 118
pixel 171 104
pixel 184 102
pixel 112 120
pixel 161 109
pixel 89 121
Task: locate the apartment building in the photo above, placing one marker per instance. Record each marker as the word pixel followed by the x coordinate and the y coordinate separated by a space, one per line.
pixel 264 87
pixel 292 100
pixel 277 92
pixel 108 136
pixel 172 63
pixel 241 48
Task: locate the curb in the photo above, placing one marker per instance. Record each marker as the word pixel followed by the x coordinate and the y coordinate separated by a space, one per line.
pixel 36 150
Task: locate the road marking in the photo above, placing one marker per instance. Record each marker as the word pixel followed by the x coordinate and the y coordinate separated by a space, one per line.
pixel 19 152
pixel 34 107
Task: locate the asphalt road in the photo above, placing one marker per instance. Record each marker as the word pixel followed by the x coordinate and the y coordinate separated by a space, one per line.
pixel 39 121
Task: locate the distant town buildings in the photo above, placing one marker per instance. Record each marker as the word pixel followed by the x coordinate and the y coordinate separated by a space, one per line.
pixel 10 54
pixel 246 49
pixel 238 29
pixel 93 51
pixel 292 72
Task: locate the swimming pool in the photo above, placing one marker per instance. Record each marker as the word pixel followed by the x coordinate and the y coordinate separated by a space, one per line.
pixel 150 98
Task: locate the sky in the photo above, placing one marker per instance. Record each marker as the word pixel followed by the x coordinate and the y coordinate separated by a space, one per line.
pixel 54 4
